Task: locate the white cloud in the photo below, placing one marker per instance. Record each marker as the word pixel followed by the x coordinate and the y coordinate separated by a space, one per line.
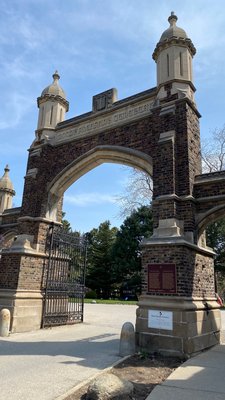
pixel 15 108
pixel 87 199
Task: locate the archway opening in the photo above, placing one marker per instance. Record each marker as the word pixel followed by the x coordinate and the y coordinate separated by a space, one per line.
pixel 215 238
pixel 108 192
pixel 92 207
pixel 89 161
pixel 212 234
pixel 114 254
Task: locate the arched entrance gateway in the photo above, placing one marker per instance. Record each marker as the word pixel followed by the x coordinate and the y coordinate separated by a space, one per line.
pixel 158 131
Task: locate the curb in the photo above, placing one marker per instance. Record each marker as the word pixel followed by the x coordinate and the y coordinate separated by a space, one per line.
pixel 83 383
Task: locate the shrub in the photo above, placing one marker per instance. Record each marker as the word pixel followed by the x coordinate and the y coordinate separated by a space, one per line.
pixel 91 294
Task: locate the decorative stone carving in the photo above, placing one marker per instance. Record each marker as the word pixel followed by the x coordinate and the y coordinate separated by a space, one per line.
pixel 31 173
pixel 169 227
pixel 22 243
pixel 104 100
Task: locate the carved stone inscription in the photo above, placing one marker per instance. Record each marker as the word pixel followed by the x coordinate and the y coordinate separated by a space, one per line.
pixel 98 124
pixel 162 278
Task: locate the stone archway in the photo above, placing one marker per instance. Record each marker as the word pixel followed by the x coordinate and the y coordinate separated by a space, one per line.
pixel 210 216
pixel 7 239
pixel 158 131
pixel 97 156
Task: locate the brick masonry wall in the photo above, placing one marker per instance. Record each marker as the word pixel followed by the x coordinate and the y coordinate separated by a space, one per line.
pixel 31 274
pixel 21 272
pixel 163 155
pixel 6 241
pixel 9 218
pixel 171 170
pixel 9 271
pixel 164 209
pixel 209 193
pixel 164 170
pixel 37 229
pixel 175 164
pixel 54 159
pixel 8 229
pixel 195 272
pixel 187 212
pixel 211 188
pixel 188 157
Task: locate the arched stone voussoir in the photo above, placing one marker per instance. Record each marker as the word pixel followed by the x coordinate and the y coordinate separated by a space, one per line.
pixel 95 157
pixel 7 238
pixel 208 217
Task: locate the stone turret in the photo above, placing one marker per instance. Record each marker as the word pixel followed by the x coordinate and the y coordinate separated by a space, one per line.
pixel 52 107
pixel 173 55
pixel 6 191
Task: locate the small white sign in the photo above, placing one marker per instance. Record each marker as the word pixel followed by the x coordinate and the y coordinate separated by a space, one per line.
pixel 160 319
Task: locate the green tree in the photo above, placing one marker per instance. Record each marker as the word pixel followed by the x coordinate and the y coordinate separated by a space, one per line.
pixel 215 236
pixel 66 224
pixel 100 276
pixel 126 251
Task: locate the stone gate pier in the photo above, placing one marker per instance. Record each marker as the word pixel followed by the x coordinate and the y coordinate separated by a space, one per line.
pixel 156 131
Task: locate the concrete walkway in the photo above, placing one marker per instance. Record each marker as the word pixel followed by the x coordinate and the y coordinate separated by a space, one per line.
pixel 48 363
pixel 200 378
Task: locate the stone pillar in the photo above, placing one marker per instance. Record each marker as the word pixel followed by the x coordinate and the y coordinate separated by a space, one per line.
pixel 21 276
pixel 178 314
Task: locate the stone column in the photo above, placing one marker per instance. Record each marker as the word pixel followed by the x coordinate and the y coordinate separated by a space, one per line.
pixel 21 275
pixel 178 314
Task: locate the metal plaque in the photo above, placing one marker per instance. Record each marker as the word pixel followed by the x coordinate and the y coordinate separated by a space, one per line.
pixel 162 278
pixel 158 319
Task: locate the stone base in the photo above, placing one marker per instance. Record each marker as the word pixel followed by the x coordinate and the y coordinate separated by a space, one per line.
pixel 25 308
pixel 196 326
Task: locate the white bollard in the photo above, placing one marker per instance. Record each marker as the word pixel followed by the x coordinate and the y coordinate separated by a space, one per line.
pixel 127 340
pixel 4 322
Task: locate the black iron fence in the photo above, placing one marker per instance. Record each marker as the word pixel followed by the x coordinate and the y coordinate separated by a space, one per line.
pixel 64 278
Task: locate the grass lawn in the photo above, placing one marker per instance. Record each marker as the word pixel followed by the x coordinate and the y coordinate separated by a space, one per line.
pixel 131 302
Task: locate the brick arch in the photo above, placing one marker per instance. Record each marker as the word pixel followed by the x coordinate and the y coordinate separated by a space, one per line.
pixel 127 132
pixel 209 217
pixel 87 162
pixel 7 238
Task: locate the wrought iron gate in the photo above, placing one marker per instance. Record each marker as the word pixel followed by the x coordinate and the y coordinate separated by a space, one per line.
pixel 64 278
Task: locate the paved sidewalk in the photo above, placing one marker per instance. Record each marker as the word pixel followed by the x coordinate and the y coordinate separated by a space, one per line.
pixel 200 378
pixel 45 364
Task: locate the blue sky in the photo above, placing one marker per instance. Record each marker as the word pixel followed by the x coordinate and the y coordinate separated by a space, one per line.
pixel 97 45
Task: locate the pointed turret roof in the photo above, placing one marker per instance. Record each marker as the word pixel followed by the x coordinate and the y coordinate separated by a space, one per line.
pixel 5 181
pixel 54 92
pixel 172 36
pixel 173 30
pixel 54 88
